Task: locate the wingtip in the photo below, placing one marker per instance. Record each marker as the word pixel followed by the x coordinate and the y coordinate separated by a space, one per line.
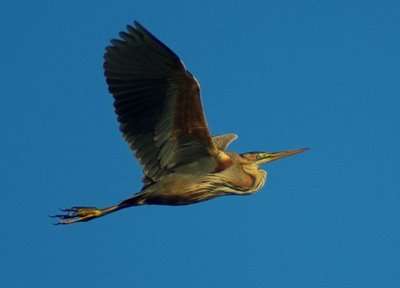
pixel 138 25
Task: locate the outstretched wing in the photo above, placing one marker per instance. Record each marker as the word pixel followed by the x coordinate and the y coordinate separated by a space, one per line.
pixel 157 102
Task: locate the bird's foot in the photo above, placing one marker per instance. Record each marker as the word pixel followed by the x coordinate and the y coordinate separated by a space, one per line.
pixel 77 214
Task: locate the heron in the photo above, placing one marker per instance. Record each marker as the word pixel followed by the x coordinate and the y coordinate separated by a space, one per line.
pixel 158 106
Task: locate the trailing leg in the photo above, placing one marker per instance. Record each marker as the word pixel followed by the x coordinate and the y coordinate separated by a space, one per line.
pixel 84 214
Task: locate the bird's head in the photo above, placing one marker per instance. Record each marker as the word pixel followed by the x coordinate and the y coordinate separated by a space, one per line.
pixel 259 158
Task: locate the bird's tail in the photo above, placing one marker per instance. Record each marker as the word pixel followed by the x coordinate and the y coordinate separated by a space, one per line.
pixel 84 214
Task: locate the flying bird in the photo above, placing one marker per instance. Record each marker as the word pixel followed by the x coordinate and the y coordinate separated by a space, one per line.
pixel 157 101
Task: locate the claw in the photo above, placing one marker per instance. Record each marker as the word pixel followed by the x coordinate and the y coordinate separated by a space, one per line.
pixel 58 216
pixel 77 214
pixel 66 210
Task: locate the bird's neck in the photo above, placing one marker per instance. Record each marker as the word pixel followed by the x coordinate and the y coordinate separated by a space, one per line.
pixel 258 175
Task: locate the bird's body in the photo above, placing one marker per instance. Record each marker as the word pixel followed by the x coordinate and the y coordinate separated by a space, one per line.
pixel 158 104
pixel 187 188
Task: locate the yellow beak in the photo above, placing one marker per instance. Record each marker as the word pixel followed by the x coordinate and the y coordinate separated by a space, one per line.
pixel 265 157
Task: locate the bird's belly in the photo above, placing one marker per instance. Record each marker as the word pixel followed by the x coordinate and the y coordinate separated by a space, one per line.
pixel 183 189
pixel 177 199
pixel 178 190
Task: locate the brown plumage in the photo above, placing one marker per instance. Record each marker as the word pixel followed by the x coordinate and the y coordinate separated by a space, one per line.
pixel 161 117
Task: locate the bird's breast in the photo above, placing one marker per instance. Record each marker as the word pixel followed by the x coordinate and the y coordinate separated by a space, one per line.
pixel 254 179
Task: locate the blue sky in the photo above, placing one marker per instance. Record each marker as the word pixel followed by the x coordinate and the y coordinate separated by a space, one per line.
pixel 281 74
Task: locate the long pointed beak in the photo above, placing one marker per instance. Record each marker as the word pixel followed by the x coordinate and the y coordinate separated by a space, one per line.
pixel 272 156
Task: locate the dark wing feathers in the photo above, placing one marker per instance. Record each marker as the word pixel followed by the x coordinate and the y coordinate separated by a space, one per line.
pixel 157 102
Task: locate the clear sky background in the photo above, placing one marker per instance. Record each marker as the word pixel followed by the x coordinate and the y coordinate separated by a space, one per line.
pixel 281 74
